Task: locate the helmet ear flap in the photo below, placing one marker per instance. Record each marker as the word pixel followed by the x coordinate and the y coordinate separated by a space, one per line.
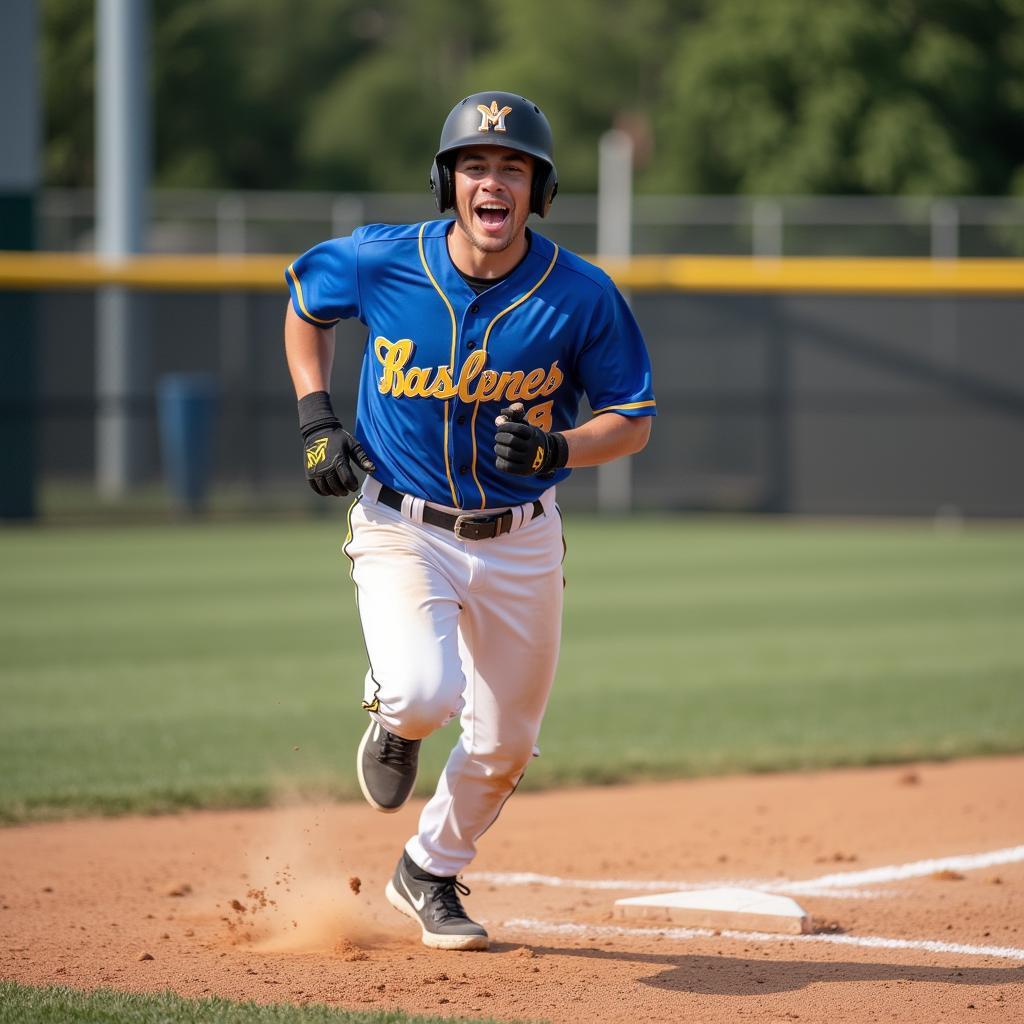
pixel 544 190
pixel 441 185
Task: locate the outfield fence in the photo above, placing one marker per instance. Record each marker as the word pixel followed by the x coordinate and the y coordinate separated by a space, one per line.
pixel 810 386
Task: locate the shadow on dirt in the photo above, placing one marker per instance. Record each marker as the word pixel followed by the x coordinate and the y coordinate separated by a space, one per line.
pixel 734 976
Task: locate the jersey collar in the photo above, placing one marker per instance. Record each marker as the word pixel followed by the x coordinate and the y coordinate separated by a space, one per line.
pixel 522 279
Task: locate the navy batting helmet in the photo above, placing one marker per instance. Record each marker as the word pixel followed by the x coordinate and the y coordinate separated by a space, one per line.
pixel 496 119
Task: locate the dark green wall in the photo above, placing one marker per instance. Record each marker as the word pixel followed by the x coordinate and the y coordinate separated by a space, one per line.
pixel 17 370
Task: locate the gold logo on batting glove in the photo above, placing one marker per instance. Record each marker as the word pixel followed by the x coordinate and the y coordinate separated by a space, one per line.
pixel 538 459
pixel 316 452
pixel 493 116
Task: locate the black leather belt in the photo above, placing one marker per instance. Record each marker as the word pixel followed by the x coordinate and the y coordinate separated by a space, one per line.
pixel 468 526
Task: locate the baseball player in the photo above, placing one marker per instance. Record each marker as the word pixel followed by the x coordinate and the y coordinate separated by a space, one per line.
pixel 482 337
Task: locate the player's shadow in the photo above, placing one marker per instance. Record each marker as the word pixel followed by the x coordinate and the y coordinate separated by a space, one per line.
pixel 742 976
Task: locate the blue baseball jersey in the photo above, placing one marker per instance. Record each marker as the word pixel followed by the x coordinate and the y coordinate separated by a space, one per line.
pixel 441 361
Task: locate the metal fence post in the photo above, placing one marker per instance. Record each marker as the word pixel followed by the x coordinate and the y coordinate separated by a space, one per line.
pixel 766 229
pixel 615 240
pixel 779 497
pixel 122 172
pixel 241 422
pixel 945 229
pixel 944 216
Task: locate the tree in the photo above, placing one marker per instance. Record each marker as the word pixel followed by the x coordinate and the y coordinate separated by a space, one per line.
pixel 66 51
pixel 375 125
pixel 590 64
pixel 853 96
pixel 785 96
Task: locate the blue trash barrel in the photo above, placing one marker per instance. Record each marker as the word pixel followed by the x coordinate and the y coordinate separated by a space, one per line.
pixel 187 404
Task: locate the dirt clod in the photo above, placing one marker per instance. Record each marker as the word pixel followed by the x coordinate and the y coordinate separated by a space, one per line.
pixel 145 956
pixel 181 890
pixel 947 876
pixel 823 927
pixel 355 884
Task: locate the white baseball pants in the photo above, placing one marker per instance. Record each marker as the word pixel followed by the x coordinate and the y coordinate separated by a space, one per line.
pixel 467 628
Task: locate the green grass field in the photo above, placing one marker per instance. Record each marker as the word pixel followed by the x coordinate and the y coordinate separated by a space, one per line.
pixel 150 668
pixel 19 1003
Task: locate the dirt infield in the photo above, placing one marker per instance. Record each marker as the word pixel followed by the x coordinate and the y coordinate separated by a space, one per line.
pixel 286 905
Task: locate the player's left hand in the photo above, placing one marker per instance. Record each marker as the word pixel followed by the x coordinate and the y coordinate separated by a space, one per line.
pixel 330 456
pixel 526 450
pixel 331 451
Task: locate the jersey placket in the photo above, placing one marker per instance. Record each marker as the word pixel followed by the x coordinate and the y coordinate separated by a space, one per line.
pixel 471 329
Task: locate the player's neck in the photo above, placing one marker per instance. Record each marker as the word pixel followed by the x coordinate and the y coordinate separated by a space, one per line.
pixel 478 263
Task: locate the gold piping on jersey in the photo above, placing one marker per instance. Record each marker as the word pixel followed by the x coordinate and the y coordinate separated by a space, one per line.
pixel 483 348
pixel 628 405
pixel 451 362
pixel 302 304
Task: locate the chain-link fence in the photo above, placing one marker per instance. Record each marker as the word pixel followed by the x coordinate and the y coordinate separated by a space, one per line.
pixel 229 222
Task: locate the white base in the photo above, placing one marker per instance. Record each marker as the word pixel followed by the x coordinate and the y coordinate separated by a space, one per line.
pixel 742 909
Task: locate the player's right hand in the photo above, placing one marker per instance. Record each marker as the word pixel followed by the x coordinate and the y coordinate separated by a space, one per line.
pixel 330 455
pixel 526 450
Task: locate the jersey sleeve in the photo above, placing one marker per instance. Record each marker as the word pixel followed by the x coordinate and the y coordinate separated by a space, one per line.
pixel 613 364
pixel 324 282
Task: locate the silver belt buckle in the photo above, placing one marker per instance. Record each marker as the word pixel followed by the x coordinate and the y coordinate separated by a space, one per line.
pixel 470 526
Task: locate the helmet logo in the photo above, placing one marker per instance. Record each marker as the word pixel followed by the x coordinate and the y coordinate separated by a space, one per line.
pixel 492 116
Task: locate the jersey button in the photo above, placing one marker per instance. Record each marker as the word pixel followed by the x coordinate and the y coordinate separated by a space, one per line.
pixel 463 470
pixel 471 344
pixel 475 308
pixel 461 420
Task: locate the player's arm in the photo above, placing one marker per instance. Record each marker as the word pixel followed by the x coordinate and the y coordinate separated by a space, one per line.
pixel 330 449
pixel 605 438
pixel 310 353
pixel 526 450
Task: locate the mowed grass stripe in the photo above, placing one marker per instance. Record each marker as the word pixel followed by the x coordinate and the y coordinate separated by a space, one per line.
pixel 155 667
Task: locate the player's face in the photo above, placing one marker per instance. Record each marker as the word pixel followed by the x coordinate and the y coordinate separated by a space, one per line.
pixel 492 195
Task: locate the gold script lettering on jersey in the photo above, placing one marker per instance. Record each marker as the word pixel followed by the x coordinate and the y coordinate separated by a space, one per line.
pixel 475 383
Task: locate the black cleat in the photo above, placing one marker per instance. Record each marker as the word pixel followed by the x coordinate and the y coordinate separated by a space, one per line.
pixel 434 902
pixel 386 765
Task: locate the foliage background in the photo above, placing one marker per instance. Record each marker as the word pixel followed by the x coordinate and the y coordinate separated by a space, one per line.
pixel 731 96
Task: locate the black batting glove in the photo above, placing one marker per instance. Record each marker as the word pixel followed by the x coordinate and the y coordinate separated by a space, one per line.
pixel 330 448
pixel 526 450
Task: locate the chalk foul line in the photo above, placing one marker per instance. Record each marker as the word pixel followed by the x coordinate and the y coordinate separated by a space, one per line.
pixel 837 885
pixel 915 869
pixel 585 931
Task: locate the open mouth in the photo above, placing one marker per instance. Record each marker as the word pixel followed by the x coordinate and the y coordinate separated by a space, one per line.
pixel 491 215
